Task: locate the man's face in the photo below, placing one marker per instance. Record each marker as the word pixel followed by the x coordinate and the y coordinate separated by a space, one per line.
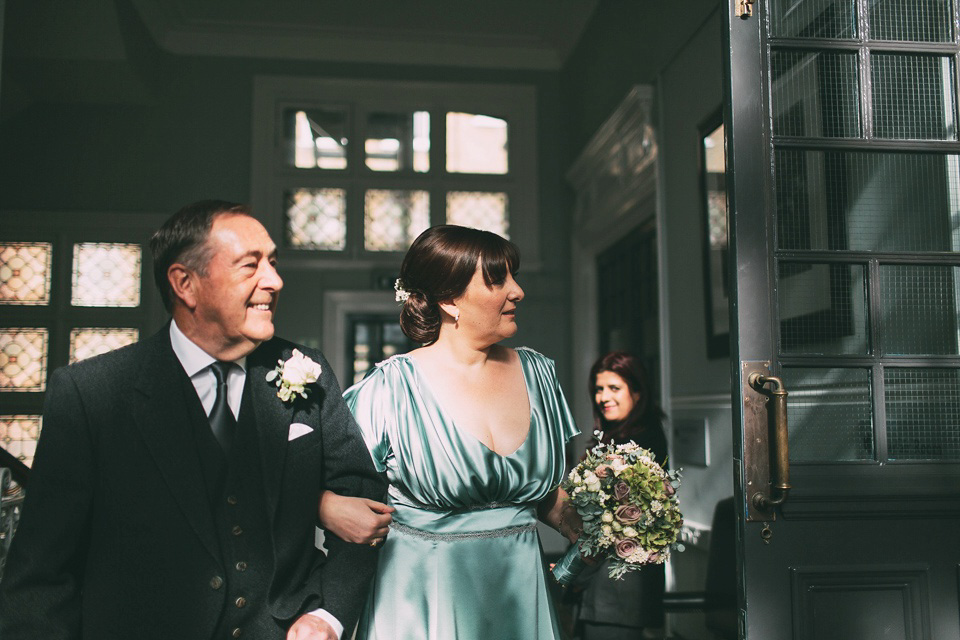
pixel 236 299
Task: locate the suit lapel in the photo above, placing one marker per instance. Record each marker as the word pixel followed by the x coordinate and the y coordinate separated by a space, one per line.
pixel 273 421
pixel 163 417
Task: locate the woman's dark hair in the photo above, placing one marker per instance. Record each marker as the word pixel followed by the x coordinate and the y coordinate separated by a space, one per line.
pixel 183 239
pixel 645 413
pixel 440 264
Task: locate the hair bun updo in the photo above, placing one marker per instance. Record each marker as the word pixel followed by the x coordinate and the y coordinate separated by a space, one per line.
pixel 438 267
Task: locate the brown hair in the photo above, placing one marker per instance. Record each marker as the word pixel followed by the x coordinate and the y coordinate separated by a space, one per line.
pixel 645 413
pixel 440 264
pixel 183 238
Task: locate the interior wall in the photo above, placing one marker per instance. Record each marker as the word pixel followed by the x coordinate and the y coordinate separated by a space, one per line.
pixel 683 62
pixel 160 131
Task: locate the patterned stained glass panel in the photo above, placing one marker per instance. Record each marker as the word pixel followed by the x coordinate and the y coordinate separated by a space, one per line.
pixel 921 309
pixel 476 144
pixel 89 342
pixel 398 141
pixel 923 413
pixel 912 20
pixel 393 219
pixel 831 414
pixel 813 18
pixel 106 275
pixel 316 138
pixel 861 201
pixel 815 93
pixel 480 210
pixel 316 218
pixel 913 96
pixel 19 435
pixel 822 308
pixel 25 273
pixel 23 359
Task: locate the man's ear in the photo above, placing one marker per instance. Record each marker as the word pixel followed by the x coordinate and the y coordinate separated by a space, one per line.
pixel 183 285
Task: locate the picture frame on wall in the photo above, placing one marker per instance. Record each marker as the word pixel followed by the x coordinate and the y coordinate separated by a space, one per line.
pixel 716 251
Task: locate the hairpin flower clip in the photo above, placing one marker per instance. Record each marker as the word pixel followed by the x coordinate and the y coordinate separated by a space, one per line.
pixel 402 294
pixel 293 376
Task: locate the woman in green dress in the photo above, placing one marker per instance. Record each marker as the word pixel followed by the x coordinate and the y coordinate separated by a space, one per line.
pixel 471 435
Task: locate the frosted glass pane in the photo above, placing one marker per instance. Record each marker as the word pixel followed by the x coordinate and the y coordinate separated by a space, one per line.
pixel 19 435
pixel 480 210
pixel 913 96
pixel 316 218
pixel 23 359
pixel 923 414
pixel 393 219
pixel 85 343
pixel 106 275
pixel 25 273
pixel 476 144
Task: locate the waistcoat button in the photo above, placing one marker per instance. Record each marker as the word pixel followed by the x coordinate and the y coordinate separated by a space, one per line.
pixel 236 530
pixel 216 582
pixel 241 602
pixel 236 632
pixel 241 566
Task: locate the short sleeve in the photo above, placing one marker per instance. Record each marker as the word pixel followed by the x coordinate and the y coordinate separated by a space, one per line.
pixel 369 401
pixel 555 403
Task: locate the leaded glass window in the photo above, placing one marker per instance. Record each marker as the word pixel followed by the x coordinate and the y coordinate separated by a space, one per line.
pixel 89 342
pixel 19 435
pixel 393 219
pixel 106 275
pixel 480 210
pixel 23 359
pixel 25 273
pixel 317 218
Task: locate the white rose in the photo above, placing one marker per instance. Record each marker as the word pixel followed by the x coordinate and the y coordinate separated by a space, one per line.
pixel 606 529
pixel 607 516
pixel 300 370
pixel 630 532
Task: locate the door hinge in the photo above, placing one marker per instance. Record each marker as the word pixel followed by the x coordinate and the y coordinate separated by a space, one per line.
pixel 744 9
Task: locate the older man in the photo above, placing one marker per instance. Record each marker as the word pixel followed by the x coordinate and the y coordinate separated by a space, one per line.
pixel 175 487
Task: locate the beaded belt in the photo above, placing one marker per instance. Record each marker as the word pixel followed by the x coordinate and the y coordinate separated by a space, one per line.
pixel 471 535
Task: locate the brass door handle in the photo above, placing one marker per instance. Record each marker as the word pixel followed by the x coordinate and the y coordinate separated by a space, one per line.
pixel 779 440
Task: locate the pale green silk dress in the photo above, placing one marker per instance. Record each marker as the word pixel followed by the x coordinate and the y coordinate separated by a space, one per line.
pixel 463 559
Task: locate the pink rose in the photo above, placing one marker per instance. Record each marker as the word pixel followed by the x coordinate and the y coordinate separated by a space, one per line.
pixel 621 490
pixel 668 489
pixel 654 558
pixel 616 457
pixel 628 514
pixel 626 547
pixel 603 471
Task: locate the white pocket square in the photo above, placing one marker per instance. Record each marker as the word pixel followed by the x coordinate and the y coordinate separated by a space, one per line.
pixel 298 429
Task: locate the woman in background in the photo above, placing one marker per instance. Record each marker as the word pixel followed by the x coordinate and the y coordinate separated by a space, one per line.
pixel 623 410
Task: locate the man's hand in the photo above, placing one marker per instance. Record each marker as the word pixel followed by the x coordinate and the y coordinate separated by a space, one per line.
pixel 310 627
pixel 356 520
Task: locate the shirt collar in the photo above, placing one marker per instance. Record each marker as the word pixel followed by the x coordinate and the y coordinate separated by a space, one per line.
pixel 192 357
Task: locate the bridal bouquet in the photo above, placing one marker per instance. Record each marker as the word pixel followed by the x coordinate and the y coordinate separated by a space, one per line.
pixel 628 505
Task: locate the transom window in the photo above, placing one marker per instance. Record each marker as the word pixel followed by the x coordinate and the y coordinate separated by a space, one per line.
pixel 357 169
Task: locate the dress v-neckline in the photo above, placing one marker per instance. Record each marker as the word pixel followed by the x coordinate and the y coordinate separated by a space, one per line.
pixel 427 390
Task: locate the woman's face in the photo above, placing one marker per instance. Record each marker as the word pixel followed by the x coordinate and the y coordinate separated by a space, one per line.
pixel 489 312
pixel 613 397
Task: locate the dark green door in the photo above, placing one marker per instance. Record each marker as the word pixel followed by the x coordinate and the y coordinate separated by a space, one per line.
pixel 844 174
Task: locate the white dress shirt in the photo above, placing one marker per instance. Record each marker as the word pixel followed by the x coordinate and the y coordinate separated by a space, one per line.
pixel 196 362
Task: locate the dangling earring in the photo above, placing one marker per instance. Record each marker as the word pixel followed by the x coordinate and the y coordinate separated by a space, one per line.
pixel 456 316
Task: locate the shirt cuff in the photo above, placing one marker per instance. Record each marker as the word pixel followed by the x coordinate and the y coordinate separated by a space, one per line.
pixel 325 615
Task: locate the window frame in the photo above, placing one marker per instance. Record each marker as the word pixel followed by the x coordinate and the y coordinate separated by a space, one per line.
pixel 271 175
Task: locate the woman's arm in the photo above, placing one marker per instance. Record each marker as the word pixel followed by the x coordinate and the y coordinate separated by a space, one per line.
pixel 555 511
pixel 356 520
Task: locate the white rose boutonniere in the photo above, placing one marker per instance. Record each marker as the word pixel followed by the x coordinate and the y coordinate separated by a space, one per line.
pixel 292 376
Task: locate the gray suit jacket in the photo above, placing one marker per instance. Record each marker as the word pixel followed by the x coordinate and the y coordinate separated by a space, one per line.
pixel 116 539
